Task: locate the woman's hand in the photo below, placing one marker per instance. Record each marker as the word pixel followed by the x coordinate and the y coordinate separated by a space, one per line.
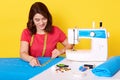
pixel 34 62
pixel 55 53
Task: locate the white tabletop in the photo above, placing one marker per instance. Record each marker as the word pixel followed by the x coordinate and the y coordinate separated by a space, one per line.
pixel 73 74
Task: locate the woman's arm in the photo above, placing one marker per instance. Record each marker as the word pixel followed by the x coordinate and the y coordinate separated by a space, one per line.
pixel 66 45
pixel 24 51
pixel 24 54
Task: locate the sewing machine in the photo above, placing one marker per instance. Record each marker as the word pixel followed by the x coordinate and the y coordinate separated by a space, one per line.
pixel 99 44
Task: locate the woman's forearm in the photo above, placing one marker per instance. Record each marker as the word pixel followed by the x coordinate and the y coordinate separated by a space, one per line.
pixel 25 56
pixel 62 51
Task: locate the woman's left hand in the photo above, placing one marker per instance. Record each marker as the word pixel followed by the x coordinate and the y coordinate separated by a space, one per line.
pixel 55 53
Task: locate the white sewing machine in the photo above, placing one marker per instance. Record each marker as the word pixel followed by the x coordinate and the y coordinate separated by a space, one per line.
pixel 99 45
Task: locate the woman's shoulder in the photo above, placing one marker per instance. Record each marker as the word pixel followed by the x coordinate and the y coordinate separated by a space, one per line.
pixel 56 28
pixel 26 31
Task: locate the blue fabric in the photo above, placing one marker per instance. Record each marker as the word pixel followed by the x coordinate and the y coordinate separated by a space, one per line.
pixel 17 69
pixel 108 68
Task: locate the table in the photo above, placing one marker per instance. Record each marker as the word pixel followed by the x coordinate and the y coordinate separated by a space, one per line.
pixel 73 74
pixel 17 69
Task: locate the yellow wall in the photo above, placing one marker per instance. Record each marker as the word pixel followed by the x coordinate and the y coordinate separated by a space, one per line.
pixel 66 13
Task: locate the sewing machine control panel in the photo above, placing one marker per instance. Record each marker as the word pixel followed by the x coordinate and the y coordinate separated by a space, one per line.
pixel 92 33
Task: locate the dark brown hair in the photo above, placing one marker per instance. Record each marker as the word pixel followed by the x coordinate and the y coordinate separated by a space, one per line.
pixel 39 7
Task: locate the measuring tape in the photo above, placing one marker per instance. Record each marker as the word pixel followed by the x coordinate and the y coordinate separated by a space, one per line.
pixel 44 48
pixel 46 62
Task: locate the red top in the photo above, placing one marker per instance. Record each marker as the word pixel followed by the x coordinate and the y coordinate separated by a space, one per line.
pixel 37 45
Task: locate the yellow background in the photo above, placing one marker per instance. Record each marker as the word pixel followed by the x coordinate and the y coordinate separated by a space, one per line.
pixel 66 14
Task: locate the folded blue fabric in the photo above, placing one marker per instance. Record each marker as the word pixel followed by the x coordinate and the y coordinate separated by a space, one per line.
pixel 108 68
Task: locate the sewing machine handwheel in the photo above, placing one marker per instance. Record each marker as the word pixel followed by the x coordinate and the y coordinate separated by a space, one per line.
pixel 92 34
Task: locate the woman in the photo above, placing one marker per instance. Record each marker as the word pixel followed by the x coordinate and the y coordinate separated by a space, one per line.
pixel 40 38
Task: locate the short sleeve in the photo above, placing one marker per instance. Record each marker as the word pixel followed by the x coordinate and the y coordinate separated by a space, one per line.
pixel 26 35
pixel 62 35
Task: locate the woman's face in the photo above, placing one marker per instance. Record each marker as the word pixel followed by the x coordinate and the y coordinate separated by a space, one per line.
pixel 40 21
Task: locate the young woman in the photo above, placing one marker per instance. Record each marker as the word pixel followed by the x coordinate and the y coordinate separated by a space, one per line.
pixel 40 38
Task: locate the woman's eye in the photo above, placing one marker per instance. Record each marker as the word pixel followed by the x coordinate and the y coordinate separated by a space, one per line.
pixel 37 19
pixel 44 19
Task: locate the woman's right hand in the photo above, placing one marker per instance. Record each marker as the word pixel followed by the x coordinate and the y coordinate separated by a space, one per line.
pixel 34 62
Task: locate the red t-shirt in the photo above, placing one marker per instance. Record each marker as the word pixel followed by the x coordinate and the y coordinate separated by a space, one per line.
pixel 37 45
